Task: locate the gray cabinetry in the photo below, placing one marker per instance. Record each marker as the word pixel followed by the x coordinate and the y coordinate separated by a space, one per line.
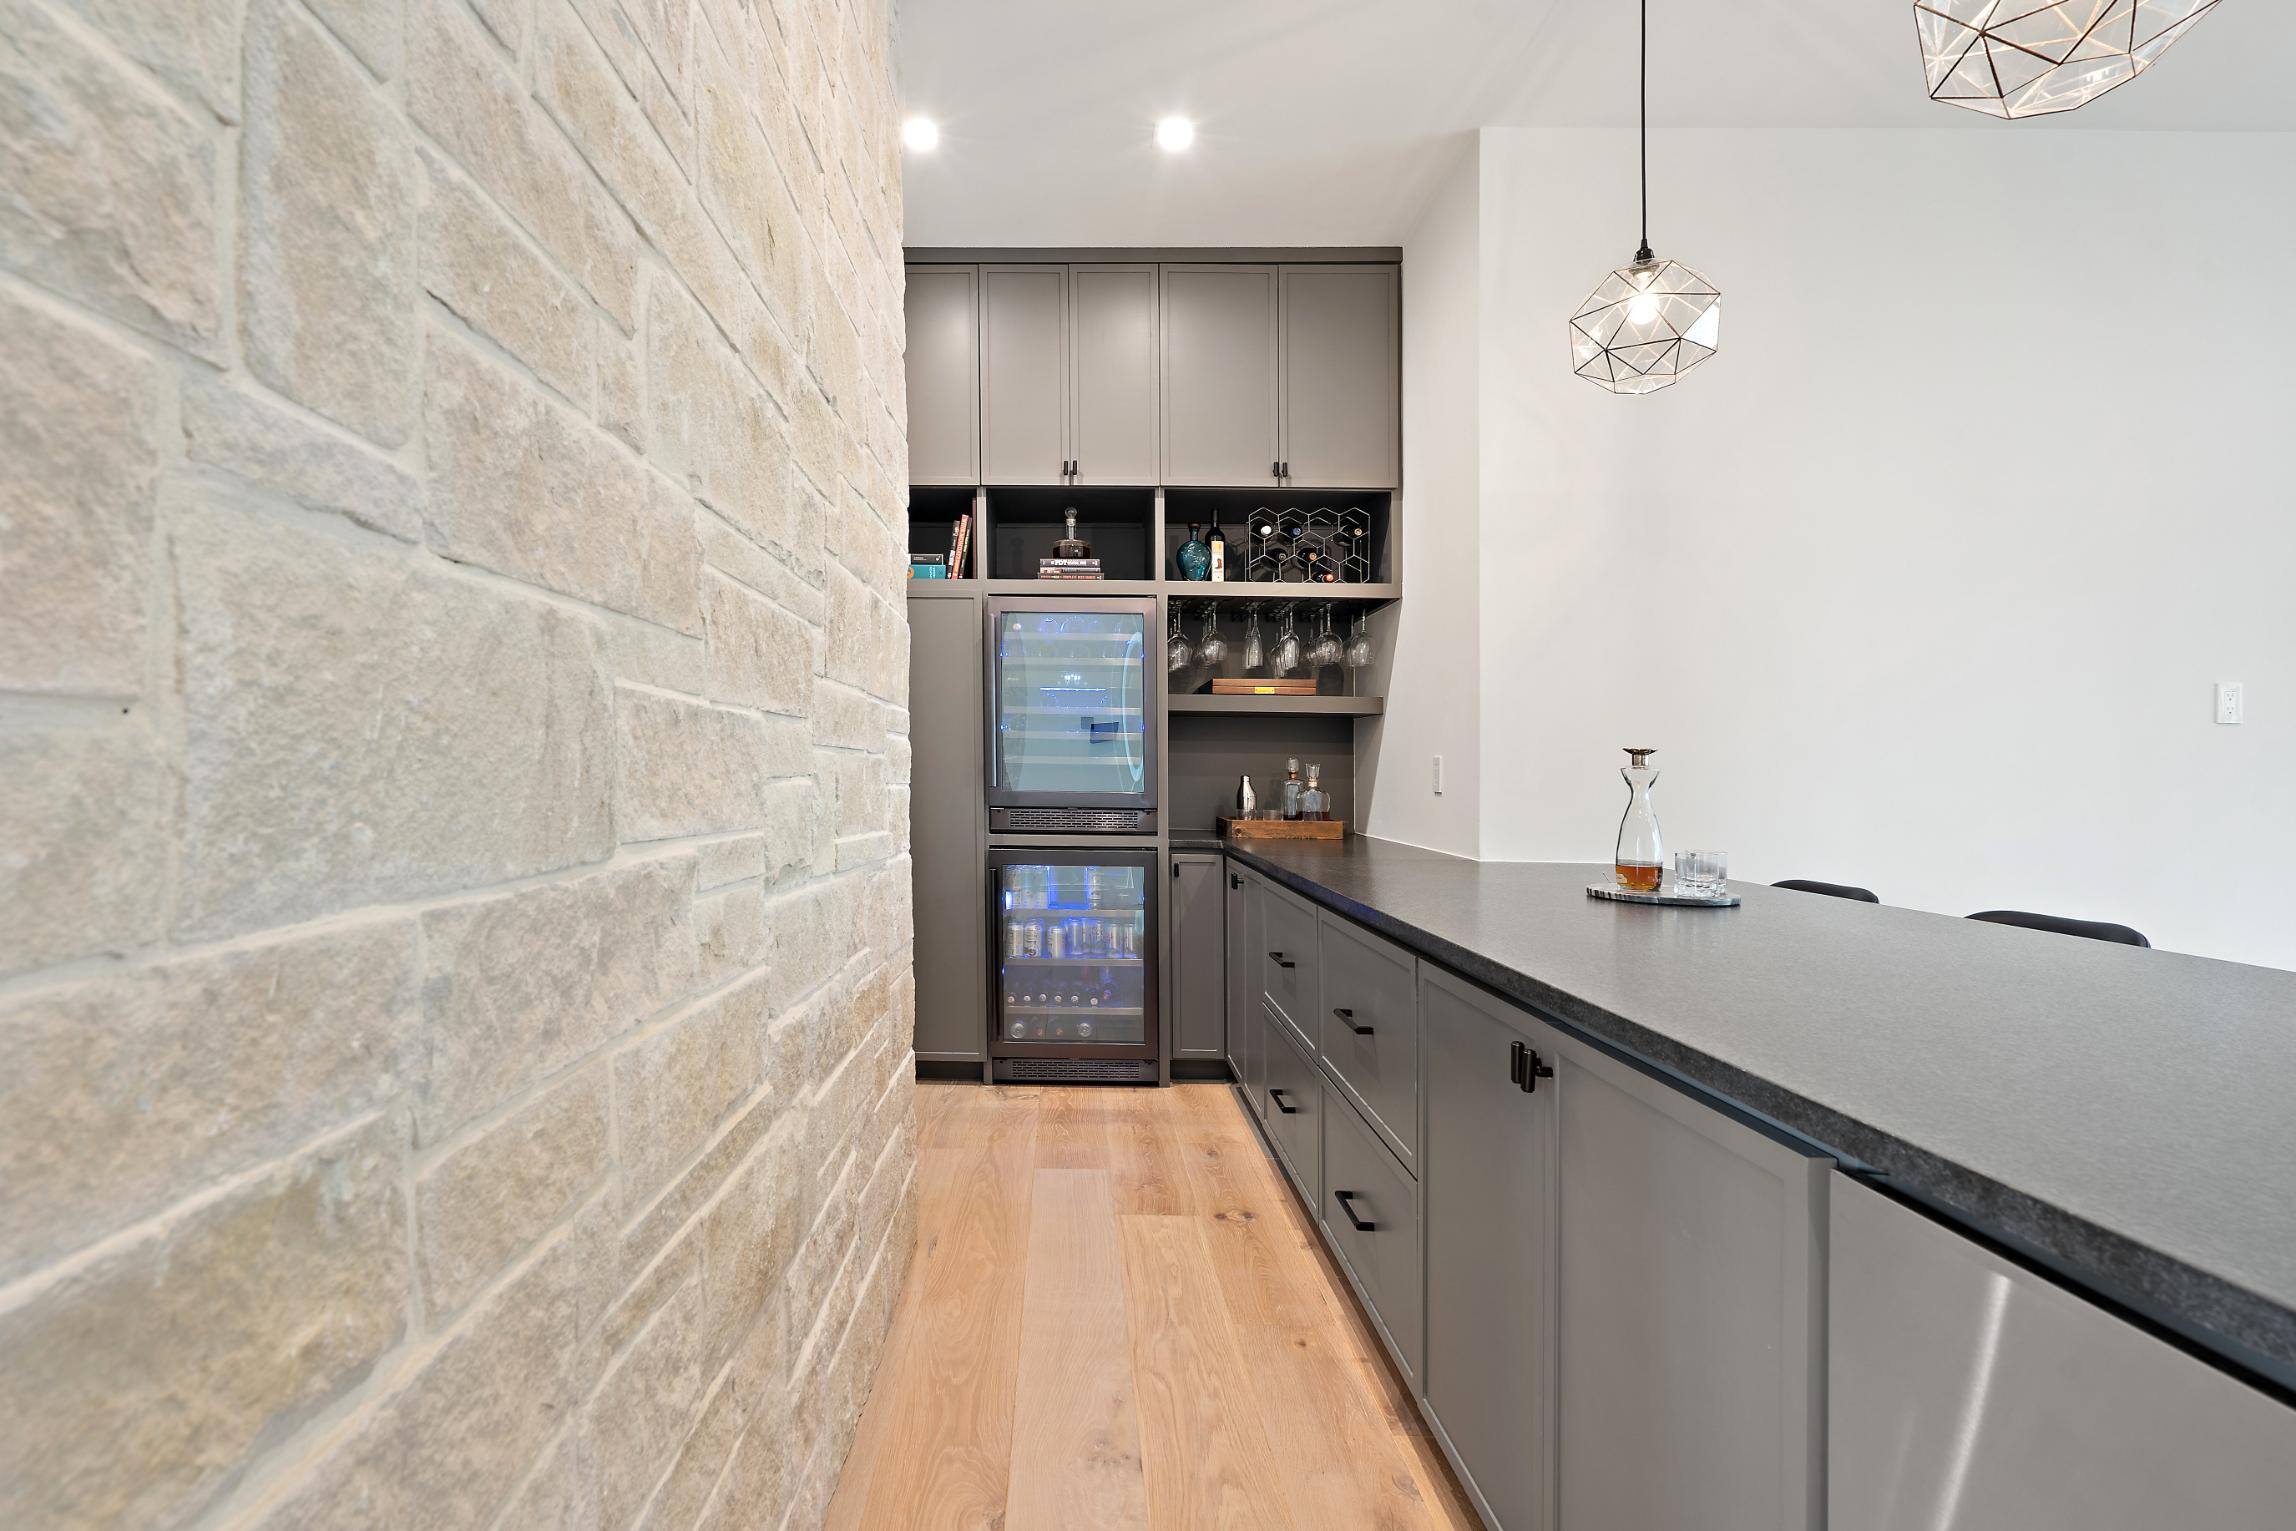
pixel 1294 1094
pixel 1966 1392
pixel 1287 959
pixel 1342 368
pixel 1113 426
pixel 1690 1304
pixel 948 887
pixel 1247 1022
pixel 1371 1210
pixel 1368 1009
pixel 942 315
pixel 1198 922
pixel 1024 374
pixel 1220 375
pixel 1484 1194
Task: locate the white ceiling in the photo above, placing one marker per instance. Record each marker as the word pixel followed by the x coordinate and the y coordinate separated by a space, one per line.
pixel 1328 121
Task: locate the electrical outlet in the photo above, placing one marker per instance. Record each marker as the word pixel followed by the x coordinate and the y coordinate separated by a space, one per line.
pixel 2231 701
pixel 1438 775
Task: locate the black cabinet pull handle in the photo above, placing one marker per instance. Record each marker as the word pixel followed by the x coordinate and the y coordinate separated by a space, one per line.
pixel 1280 960
pixel 1525 1068
pixel 1346 1200
pixel 1348 1016
pixel 1234 881
pixel 1278 1097
pixel 1517 1063
pixel 1275 470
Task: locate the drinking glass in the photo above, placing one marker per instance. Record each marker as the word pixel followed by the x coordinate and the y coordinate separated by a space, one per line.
pixel 1178 653
pixel 1214 648
pixel 1359 647
pixel 1255 651
pixel 1287 647
pixel 1328 649
pixel 1701 874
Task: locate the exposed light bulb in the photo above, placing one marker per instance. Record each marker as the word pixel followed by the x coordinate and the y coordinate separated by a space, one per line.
pixel 921 134
pixel 1174 134
pixel 1642 308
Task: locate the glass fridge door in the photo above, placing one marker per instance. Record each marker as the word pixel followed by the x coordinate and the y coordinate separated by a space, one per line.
pixel 1071 707
pixel 1074 955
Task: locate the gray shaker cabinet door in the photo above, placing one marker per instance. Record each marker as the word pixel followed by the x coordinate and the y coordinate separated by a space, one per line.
pixel 1220 375
pixel 943 363
pixel 1966 1393
pixel 1199 986
pixel 1024 374
pixel 1484 1171
pixel 947 868
pixel 1342 377
pixel 1247 1023
pixel 1690 1308
pixel 1113 400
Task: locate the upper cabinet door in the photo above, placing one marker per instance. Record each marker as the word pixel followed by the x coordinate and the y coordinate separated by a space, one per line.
pixel 1113 404
pixel 1024 374
pixel 1342 365
pixel 943 366
pixel 1220 377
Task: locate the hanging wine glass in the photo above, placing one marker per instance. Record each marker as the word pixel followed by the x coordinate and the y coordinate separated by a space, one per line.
pixel 1213 650
pixel 1255 651
pixel 1359 647
pixel 1328 649
pixel 1178 654
pixel 1287 647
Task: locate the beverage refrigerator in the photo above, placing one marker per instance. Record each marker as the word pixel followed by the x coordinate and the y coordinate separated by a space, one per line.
pixel 1071 716
pixel 1073 977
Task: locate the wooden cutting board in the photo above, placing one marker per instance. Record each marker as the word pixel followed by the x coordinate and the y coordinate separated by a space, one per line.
pixel 1283 829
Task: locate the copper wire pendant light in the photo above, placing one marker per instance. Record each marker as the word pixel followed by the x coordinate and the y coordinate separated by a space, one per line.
pixel 1653 320
pixel 2030 58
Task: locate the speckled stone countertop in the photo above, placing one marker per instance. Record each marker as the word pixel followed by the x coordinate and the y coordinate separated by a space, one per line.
pixel 2125 1117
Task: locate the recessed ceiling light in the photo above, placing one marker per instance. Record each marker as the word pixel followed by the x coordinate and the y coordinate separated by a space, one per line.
pixel 1173 134
pixel 922 134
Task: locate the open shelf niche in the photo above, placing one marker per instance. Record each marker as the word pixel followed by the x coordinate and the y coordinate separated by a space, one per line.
pixel 1024 521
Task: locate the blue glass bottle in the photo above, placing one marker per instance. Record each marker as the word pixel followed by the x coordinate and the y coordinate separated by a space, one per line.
pixel 1195 557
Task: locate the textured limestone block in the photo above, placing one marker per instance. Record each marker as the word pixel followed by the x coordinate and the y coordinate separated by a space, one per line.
pixel 328 193
pixel 819 436
pixel 523 984
pixel 734 554
pixel 686 1491
pixel 367 29
pixel 111 186
pixel 682 768
pixel 83 820
pixel 132 1387
pixel 523 485
pixel 561 1496
pixel 672 1088
pixel 492 1197
pixel 653 1230
pixel 846 719
pixel 760 655
pixel 191 44
pixel 713 426
pixel 443 1450
pixel 733 860
pixel 814 931
pixel 464 96
pixel 75 505
pixel 621 406
pixel 646 655
pixel 864 635
pixel 359 728
pixel 127 1091
pixel 251 437
pixel 633 1425
pixel 610 24
pixel 748 1239
pixel 730 926
pixel 474 262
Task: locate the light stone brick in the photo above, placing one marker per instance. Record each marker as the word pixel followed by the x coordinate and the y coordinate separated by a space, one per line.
pixel 368 29
pixel 191 44
pixel 442 1450
pixel 506 19
pixel 233 429
pixel 737 859
pixel 132 1387
pixel 673 1087
pixel 359 728
pixel 819 438
pixel 733 554
pixel 814 930
pixel 328 194
pixel 489 1199
pixel 459 90
pixel 863 647
pixel 701 398
pixel 730 926
pixel 521 985
pixel 656 1226
pixel 111 185
pixel 621 406
pixel 645 655
pixel 83 822
pixel 846 719
pixel 522 485
pixel 128 1091
pixel 760 655
pixel 75 505
pixel 679 1502
pixel 634 1423
pixel 798 830
pixel 562 1494
pixel 749 1237
pixel 475 262
pixel 609 22
pixel 682 768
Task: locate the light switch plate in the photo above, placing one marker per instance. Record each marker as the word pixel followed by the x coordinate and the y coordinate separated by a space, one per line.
pixel 2231 701
pixel 1438 775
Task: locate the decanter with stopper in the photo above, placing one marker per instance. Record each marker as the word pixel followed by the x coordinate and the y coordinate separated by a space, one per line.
pixel 1641 859
pixel 1071 546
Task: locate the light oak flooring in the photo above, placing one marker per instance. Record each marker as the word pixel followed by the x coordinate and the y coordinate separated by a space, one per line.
pixel 1118 1316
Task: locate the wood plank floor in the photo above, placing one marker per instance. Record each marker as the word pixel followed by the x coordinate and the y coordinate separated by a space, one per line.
pixel 1119 1317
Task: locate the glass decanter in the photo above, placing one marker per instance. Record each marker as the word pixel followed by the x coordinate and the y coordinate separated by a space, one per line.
pixel 1071 546
pixel 1641 858
pixel 1195 558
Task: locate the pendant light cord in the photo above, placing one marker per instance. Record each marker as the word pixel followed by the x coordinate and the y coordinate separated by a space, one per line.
pixel 1644 254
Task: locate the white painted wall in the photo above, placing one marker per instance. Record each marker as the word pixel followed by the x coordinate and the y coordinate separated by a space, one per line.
pixel 1437 652
pixel 1924 582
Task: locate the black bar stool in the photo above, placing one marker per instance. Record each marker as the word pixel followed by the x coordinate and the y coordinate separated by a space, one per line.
pixel 2088 930
pixel 1829 889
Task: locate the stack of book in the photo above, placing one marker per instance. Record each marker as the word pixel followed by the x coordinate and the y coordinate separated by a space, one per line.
pixel 928 566
pixel 949 565
pixel 1068 568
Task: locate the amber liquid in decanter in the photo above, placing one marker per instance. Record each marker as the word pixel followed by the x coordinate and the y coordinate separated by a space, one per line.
pixel 1638 876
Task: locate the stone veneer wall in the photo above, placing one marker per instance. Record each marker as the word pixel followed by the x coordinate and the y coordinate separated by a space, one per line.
pixel 455 1005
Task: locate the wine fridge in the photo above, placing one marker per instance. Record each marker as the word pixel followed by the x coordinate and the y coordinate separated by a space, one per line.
pixel 1071 725
pixel 1073 977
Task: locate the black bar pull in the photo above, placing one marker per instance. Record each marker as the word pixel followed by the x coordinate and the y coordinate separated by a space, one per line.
pixel 1346 1200
pixel 1234 881
pixel 1280 960
pixel 1535 1069
pixel 1275 470
pixel 1278 1097
pixel 1347 1018
pixel 1517 1063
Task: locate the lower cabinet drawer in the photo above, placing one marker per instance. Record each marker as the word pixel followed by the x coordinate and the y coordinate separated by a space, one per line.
pixel 1288 958
pixel 1294 1096
pixel 1370 1207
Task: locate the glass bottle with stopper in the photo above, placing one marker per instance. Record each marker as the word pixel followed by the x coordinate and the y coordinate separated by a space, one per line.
pixel 1315 803
pixel 1641 858
pixel 1071 546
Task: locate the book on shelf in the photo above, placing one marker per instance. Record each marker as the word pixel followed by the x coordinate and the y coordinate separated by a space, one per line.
pixel 960 543
pixel 1068 568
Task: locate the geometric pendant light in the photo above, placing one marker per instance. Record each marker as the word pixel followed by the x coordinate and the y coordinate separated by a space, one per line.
pixel 2028 58
pixel 1649 322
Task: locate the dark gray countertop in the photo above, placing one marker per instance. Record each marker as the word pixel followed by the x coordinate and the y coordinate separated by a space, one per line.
pixel 2126 1117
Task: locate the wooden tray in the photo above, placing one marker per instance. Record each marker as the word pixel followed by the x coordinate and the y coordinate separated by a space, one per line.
pixel 1245 685
pixel 1283 829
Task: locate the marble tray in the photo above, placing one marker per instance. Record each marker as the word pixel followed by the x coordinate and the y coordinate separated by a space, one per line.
pixel 1663 896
